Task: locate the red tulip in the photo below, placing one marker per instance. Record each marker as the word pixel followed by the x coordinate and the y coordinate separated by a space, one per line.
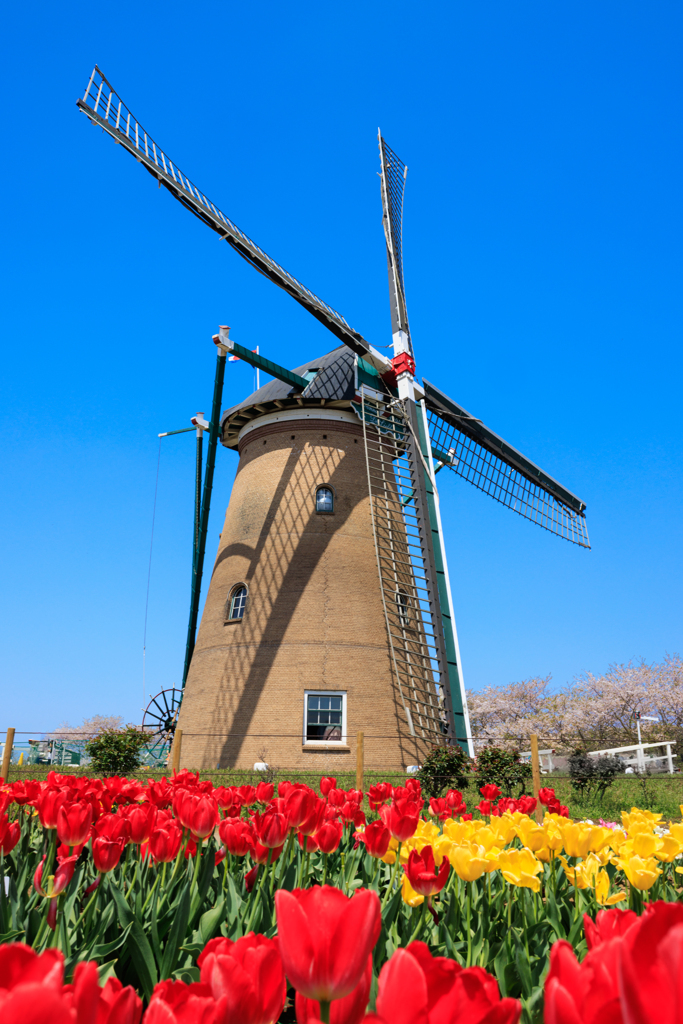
pixel 175 1002
pixel 309 843
pixel 198 812
pixel 247 795
pixel 141 818
pixel 349 1010
pixel 225 797
pixel 264 792
pixel 325 938
pixel 328 836
pixel 484 807
pixel 48 804
pixel 164 843
pixel 113 827
pixel 377 795
pixel 250 878
pixel 10 834
pixel 159 793
pixel 546 795
pixel 271 828
pixel 245 978
pixel 63 875
pixel 73 823
pixel 25 792
pixel 326 784
pixel 299 803
pixel 490 791
pixel 266 854
pixel 401 818
pixel 439 808
pixel 376 838
pixel 283 788
pixel 527 804
pixel 237 836
pixel 414 986
pixel 111 1004
pixel 608 924
pixel 106 853
pixel 315 818
pixel 422 873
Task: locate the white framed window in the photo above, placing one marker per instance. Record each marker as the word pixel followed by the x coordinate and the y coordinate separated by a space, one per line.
pixel 324 500
pixel 237 603
pixel 403 608
pixel 324 716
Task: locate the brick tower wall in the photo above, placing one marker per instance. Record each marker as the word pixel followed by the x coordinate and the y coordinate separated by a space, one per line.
pixel 314 618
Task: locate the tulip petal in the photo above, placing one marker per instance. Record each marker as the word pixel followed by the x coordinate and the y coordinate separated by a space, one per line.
pixel 402 995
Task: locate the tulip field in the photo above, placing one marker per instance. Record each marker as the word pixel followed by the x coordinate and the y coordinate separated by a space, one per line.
pixel 178 901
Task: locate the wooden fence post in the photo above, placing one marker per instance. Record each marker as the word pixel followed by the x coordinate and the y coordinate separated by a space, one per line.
pixel 360 743
pixel 175 756
pixel 536 775
pixel 7 756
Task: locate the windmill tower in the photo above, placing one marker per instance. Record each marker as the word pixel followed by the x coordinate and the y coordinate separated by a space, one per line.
pixel 329 608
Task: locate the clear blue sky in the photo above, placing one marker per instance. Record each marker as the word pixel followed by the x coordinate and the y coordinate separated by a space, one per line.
pixel 542 241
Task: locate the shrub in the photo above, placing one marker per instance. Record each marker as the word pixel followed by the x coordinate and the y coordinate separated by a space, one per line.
pixel 593 775
pixel 444 768
pixel 503 768
pixel 116 751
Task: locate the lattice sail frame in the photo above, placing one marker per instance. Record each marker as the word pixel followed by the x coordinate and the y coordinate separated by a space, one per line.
pixel 393 176
pixel 105 108
pixel 411 606
pixel 483 461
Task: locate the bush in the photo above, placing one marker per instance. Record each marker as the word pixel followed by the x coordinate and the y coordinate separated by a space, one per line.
pixel 503 768
pixel 116 751
pixel 444 768
pixel 593 775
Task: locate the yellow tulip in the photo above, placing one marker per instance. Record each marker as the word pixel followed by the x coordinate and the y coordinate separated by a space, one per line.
pixel 503 829
pixel 554 839
pixel 469 862
pixel 667 848
pixel 487 838
pixel 643 844
pixel 584 874
pixel 390 856
pixel 642 874
pixel 676 830
pixel 520 867
pixel 578 839
pixel 530 834
pixel 629 818
pixel 458 831
pixel 409 895
pixel 602 889
pixel 441 848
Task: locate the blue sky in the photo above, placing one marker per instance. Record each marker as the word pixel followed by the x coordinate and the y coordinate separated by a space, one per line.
pixel 542 257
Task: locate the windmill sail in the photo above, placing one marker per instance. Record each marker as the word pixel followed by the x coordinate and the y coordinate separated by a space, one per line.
pixel 423 664
pixel 105 108
pixel 393 177
pixel 483 458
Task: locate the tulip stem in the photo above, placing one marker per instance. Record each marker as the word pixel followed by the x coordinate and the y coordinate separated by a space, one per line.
pixel 420 922
pixel 392 880
pixel 469 920
pixel 325 1011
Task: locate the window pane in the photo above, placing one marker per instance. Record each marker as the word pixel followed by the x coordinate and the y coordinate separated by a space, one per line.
pixel 324 500
pixel 323 717
pixel 238 603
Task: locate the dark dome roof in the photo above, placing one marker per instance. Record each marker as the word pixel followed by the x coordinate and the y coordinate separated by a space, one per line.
pixel 333 385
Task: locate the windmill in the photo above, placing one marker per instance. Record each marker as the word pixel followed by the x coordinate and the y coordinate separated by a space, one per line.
pixel 329 608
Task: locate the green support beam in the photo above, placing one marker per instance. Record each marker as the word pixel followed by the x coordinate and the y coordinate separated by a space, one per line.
pixel 274 369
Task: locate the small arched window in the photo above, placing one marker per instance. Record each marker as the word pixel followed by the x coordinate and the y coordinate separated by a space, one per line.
pixel 324 500
pixel 402 608
pixel 238 602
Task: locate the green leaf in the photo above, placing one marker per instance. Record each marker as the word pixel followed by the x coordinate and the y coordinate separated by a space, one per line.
pixel 210 920
pixel 141 951
pixel 177 934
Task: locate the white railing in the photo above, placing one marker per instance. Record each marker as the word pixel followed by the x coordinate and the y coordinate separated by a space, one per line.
pixel 525 755
pixel 640 761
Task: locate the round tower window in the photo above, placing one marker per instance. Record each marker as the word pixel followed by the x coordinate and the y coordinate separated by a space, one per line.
pixel 324 500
